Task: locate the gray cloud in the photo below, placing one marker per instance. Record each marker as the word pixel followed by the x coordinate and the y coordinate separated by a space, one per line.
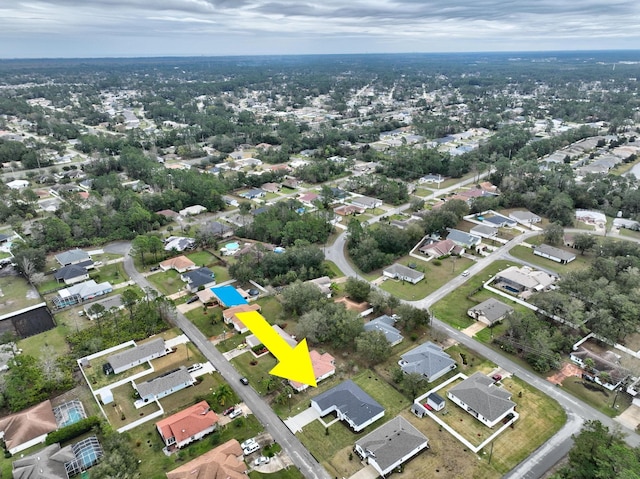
pixel 285 26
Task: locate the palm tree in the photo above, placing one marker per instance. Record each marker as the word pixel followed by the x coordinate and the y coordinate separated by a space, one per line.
pixel 224 394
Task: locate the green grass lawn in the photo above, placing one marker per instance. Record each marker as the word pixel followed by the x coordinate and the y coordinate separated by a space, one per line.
pixel 333 268
pixel 255 373
pixel 526 254
pixel 167 282
pixel 50 284
pixel 629 233
pixel 54 338
pixel 209 324
pixel 221 273
pixel 597 396
pixel 289 473
pixel 434 277
pixel 271 308
pixel 16 293
pixel 114 273
pixel 202 258
pixel 452 309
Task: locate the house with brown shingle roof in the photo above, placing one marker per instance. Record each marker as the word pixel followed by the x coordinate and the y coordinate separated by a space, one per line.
pixel 223 462
pixel 179 263
pixel 188 425
pixel 229 315
pixel 438 248
pixel 27 428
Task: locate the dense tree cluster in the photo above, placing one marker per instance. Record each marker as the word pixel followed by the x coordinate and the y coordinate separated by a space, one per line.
pixel 389 191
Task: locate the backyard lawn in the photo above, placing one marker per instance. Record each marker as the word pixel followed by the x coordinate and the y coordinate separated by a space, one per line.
pixel 113 273
pixel 271 308
pixel 53 339
pixel 15 294
pixel 202 258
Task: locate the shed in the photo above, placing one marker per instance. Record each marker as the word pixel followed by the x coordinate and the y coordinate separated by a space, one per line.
pixel 436 402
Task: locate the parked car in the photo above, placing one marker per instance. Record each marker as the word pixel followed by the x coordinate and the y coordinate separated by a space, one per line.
pixel 248 443
pixel 241 346
pixel 235 413
pixel 251 449
pixel 261 460
pixel 465 273
pixel 155 268
pixel 228 411
pixel 194 367
pixel 192 299
pixel 244 381
pixel 497 377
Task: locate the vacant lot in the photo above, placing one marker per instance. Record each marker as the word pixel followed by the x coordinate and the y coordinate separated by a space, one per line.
pixel 596 396
pixel 167 283
pixel 15 294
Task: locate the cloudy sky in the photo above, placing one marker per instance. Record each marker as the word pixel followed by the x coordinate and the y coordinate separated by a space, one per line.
pixel 99 28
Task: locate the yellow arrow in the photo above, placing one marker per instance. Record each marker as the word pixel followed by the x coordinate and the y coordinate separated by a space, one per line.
pixel 294 363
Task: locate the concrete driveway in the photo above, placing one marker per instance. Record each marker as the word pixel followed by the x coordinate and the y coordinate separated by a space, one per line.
pixel 368 472
pixel 299 421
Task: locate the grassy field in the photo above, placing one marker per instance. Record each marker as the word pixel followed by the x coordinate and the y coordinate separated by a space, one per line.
pixel 271 308
pixel 255 373
pixel 629 233
pixel 290 473
pixel 53 339
pixel 221 273
pixel 15 294
pixel 209 324
pixel 168 282
pixel 335 271
pixel 202 258
pixel 435 277
pixel 114 273
pixel 597 396
pixel 526 254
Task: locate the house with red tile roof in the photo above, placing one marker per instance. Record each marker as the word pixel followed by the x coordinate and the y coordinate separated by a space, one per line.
pixel 224 462
pixel 323 366
pixel 188 425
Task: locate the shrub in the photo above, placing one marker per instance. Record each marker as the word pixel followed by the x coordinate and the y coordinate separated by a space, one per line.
pixel 72 430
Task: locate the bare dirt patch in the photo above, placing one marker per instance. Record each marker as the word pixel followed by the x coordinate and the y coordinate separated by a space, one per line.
pixel 568 370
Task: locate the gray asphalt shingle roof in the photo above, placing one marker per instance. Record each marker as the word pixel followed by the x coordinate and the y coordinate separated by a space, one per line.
pixel 427 359
pixel 132 355
pixel 352 401
pixel 160 384
pixel 384 323
pixel 481 394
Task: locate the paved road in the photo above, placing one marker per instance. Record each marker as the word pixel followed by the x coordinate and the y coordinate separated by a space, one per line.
pixel 300 456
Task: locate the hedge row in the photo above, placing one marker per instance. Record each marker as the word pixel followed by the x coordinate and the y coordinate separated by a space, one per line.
pixel 72 430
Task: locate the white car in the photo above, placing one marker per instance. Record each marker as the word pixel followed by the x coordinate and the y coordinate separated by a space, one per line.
pixel 235 413
pixel 248 443
pixel 251 449
pixel 261 460
pixel 465 273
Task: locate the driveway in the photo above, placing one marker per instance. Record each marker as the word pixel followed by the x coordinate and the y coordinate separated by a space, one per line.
pixel 299 421
pixel 368 472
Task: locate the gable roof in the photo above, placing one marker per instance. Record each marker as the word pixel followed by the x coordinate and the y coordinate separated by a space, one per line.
pixel 72 256
pixel 322 365
pixel 427 359
pixel 404 271
pixel 188 422
pixel 484 230
pixel 140 351
pixel 492 309
pixel 223 462
pixel 85 289
pixel 384 324
pixel 231 313
pixel 555 252
pixel 28 424
pixel 351 401
pixel 165 382
pixel 480 393
pixel 392 442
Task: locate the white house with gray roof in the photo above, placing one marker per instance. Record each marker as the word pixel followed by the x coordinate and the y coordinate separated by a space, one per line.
pixel 490 311
pixel 129 358
pixel 481 397
pixel 73 256
pixel 385 324
pixel 526 218
pixel 391 445
pixel 164 385
pixel 463 239
pixel 350 403
pixel 484 231
pixel 554 254
pixel 403 273
pixel 429 360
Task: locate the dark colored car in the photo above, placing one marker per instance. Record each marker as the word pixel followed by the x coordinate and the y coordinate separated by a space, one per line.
pixel 192 299
pixel 244 381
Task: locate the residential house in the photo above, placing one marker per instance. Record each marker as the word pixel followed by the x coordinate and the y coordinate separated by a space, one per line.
pixel 253 194
pixel 80 292
pixel 348 210
pixel 291 182
pixel 218 229
pixel 431 179
pixel 73 273
pixel 554 254
pixel 350 403
pixel 27 428
pixel 108 303
pixel 490 311
pixel 438 249
pixel 484 231
pixel 56 462
pixel 523 280
pixel 524 217
pixel 323 366
pixel 606 371
pixel 253 341
pixel 403 273
pixel 179 263
pixel 366 202
pixel 391 445
pixel 499 221
pixel 73 256
pixel 229 315
pixel 385 324
pixel 228 296
pixel 428 360
pixel 172 215
pixel 18 184
pixel 481 397
pixel 308 199
pixel 270 187
pixel 231 201
pixel 463 239
pixel 164 385
pixel 193 210
pixel 179 243
pixel 189 425
pixel 223 462
pixel 323 283
pixel 198 279
pixel 132 357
